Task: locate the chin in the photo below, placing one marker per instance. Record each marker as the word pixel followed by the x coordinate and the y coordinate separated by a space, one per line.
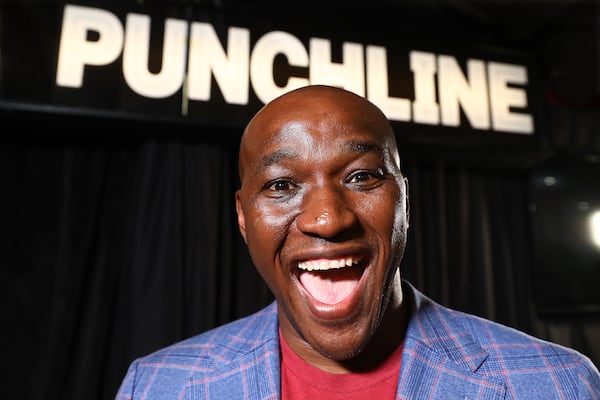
pixel 340 347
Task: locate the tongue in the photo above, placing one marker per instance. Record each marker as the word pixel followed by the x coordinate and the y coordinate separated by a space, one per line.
pixel 331 287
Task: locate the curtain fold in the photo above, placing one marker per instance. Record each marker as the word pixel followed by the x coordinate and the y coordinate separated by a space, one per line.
pixel 469 244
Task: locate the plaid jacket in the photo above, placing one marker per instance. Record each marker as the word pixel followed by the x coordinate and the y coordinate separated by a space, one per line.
pixel 447 355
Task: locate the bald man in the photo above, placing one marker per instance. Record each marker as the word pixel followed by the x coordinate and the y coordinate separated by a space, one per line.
pixel 323 208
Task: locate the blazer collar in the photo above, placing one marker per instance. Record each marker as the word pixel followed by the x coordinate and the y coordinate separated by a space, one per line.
pixel 250 368
pixel 440 357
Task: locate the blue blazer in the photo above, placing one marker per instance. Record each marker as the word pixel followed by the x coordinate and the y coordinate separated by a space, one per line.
pixel 447 355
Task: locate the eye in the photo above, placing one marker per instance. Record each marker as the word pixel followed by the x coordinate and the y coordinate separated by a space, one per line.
pixel 365 176
pixel 360 177
pixel 279 186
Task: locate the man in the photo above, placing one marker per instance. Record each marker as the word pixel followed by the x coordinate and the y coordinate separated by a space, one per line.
pixel 323 208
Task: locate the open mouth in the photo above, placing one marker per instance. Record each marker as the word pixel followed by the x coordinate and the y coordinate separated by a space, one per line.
pixel 332 280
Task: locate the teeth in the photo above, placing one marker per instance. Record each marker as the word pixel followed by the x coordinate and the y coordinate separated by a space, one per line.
pixel 327 264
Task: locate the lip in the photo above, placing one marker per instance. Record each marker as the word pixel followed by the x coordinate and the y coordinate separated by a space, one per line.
pixel 347 307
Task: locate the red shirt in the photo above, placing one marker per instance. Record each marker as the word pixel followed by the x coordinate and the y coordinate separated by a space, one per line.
pixel 300 380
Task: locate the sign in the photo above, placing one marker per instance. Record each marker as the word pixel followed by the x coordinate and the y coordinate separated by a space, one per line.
pixel 200 68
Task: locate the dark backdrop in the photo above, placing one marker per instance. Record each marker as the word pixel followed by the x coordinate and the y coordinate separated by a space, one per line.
pixel 113 245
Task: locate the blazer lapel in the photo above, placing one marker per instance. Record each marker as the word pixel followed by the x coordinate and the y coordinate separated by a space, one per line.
pixel 426 373
pixel 440 359
pixel 255 376
pixel 246 362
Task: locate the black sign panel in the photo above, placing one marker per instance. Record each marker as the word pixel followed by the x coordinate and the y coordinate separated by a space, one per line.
pixel 184 64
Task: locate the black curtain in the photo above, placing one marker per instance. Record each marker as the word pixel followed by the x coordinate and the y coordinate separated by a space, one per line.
pixel 115 247
pixel 471 242
pixel 112 249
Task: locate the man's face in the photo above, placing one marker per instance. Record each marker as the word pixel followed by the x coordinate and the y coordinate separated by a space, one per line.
pixel 323 210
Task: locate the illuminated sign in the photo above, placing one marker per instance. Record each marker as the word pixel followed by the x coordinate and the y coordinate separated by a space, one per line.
pixel 490 95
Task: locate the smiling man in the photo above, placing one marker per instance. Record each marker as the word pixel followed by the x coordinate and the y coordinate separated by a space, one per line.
pixel 323 208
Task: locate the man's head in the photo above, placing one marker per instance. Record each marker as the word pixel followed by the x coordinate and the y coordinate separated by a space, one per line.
pixel 323 209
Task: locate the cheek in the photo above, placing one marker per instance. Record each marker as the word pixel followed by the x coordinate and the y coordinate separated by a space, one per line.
pixel 382 213
pixel 400 224
pixel 266 228
pixel 266 231
pixel 399 229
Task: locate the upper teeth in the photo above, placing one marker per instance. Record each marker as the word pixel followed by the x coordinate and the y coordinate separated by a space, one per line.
pixel 326 264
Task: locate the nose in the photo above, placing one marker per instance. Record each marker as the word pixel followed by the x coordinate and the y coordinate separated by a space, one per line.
pixel 326 212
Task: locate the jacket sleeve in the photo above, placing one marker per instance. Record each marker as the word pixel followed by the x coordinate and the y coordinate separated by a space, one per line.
pixel 127 387
pixel 590 381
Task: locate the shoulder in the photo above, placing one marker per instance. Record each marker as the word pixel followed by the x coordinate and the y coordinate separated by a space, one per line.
pixel 530 362
pixel 512 344
pixel 498 350
pixel 169 369
pixel 436 322
pixel 222 343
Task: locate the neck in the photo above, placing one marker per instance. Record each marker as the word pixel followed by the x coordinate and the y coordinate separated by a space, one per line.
pixel 385 341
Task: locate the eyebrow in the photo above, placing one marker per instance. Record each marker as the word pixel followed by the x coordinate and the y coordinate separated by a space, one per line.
pixel 276 156
pixel 362 147
pixel 359 147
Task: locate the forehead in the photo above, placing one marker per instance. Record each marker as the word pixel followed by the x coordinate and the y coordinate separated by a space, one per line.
pixel 318 151
pixel 316 141
pixel 316 120
pixel 338 112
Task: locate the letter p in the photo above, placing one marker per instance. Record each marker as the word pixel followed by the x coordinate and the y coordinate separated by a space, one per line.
pixel 75 50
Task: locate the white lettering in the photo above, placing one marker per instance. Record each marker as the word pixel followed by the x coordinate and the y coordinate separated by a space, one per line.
pixel 470 93
pixel 503 97
pixel 378 86
pixel 349 74
pixel 75 50
pixel 423 67
pixel 136 52
pixel 261 65
pixel 490 95
pixel 207 58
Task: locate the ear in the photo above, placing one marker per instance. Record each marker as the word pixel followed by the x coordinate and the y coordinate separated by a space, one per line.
pixel 240 216
pixel 406 202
